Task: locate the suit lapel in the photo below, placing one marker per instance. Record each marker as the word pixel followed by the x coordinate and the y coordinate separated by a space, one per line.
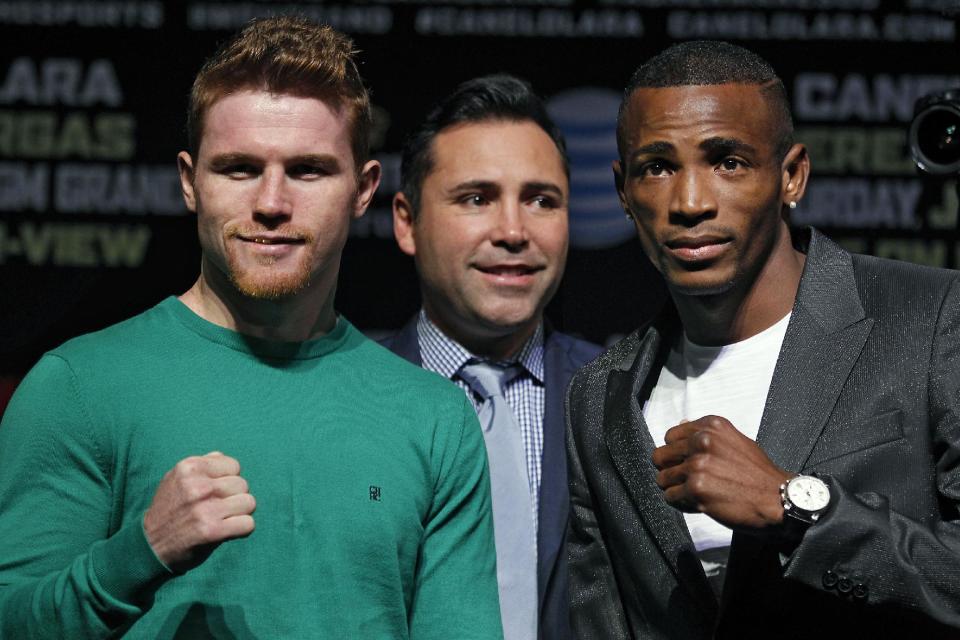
pixel 826 333
pixel 631 448
pixel 406 343
pixel 554 497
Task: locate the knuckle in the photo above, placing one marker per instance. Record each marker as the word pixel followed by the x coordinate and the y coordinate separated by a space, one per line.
pixel 187 467
pixel 697 483
pixel 196 490
pixel 208 531
pixel 703 440
pixel 698 464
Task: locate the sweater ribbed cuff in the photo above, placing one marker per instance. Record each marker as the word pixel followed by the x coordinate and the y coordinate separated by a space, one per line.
pixel 126 566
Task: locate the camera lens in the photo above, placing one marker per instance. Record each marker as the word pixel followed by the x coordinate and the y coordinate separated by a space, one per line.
pixel 939 135
pixel 935 139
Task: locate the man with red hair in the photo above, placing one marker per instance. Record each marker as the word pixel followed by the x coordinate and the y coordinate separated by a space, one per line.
pixel 130 458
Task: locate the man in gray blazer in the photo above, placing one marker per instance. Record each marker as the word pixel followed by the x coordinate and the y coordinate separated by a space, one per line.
pixel 777 454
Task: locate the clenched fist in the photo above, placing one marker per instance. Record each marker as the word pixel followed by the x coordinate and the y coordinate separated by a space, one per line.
pixel 199 504
pixel 707 466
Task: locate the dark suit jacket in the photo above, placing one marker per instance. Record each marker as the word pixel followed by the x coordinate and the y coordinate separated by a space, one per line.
pixel 563 355
pixel 866 394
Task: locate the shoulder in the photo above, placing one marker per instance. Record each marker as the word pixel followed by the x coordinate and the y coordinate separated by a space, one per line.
pixel 140 333
pixel 878 276
pixel 70 393
pixel 906 289
pixel 405 341
pixel 578 351
pixel 900 273
pixel 901 293
pixel 620 356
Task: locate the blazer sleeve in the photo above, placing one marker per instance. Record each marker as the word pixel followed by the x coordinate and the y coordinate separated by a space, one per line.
pixel 596 612
pixel 892 561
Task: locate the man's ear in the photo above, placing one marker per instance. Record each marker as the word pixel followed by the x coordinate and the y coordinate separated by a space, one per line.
pixel 403 224
pixel 618 181
pixel 796 171
pixel 185 167
pixel 367 182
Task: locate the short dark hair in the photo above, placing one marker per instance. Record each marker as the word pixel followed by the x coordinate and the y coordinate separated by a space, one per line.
pixel 704 62
pixel 488 98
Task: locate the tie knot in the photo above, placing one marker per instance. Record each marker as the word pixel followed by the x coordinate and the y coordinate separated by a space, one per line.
pixel 489 379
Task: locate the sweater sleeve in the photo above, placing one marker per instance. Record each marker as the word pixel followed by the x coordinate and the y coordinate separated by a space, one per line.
pixel 456 586
pixel 66 569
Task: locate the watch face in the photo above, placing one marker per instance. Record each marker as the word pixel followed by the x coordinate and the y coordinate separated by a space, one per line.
pixel 808 493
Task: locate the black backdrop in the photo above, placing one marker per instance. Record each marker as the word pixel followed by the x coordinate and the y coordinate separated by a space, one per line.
pixel 93 95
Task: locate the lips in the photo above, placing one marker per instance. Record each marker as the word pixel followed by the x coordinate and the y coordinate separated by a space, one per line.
pixel 697 248
pixel 271 240
pixel 518 276
pixel 270 245
pixel 508 270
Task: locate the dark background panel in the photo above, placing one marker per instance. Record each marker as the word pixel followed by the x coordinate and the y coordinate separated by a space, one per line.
pixel 93 95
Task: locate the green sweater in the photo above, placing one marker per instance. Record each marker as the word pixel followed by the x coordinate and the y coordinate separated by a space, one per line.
pixel 373 505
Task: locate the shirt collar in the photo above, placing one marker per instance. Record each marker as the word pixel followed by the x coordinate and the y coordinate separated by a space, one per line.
pixel 446 356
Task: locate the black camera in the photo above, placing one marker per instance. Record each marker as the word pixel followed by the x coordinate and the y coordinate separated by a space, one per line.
pixel 935 133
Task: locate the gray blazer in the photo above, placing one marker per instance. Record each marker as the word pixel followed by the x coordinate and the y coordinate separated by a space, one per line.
pixel 866 394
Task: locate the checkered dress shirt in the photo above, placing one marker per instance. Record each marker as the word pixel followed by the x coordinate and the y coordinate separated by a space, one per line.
pixel 524 394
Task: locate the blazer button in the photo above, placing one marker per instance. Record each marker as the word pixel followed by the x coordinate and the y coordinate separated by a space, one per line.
pixel 830 579
pixel 845 585
pixel 860 591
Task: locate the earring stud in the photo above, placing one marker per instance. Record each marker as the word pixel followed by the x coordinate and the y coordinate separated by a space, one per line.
pixel 792 204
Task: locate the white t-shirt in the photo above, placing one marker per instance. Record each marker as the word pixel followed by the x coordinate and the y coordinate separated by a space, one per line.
pixel 730 381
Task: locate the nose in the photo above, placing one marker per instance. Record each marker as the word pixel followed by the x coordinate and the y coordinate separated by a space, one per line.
pixel 272 200
pixel 509 229
pixel 692 198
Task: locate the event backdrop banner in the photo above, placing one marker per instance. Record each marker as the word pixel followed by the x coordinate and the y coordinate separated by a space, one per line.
pixel 92 108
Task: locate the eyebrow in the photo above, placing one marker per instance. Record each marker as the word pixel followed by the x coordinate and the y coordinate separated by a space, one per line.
pixel 725 146
pixel 473 185
pixel 488 185
pixel 227 159
pixel 654 148
pixel 543 186
pixel 325 159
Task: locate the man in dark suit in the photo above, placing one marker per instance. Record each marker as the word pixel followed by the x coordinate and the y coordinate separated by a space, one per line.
pixel 483 212
pixel 787 430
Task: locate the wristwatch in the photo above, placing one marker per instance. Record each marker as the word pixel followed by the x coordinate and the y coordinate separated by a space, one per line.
pixel 804 498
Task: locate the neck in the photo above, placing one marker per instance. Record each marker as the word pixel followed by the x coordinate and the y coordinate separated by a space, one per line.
pixel 490 345
pixel 738 314
pixel 304 316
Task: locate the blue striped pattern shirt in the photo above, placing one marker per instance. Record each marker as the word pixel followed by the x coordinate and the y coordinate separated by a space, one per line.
pixel 525 393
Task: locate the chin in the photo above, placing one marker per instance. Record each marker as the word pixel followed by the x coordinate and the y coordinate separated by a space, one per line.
pixel 507 321
pixel 700 286
pixel 272 288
